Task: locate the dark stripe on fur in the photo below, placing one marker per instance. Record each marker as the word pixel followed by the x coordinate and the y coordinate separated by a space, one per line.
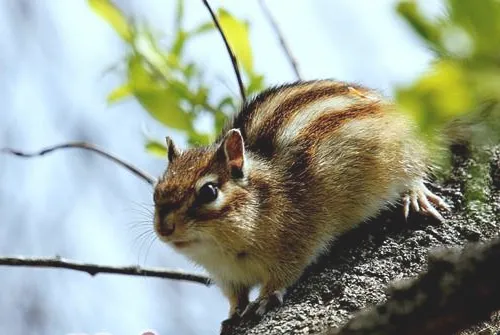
pixel 328 122
pixel 265 140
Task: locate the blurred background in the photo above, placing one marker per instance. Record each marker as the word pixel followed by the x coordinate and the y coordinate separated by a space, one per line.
pixel 54 79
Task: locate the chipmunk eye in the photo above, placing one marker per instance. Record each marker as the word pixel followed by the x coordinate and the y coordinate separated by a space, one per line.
pixel 207 193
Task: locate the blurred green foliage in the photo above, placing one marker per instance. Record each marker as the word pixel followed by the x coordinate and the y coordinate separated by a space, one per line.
pixel 463 83
pixel 171 87
pixel 464 80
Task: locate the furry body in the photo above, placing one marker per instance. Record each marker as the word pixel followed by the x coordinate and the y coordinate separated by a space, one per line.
pixel 299 165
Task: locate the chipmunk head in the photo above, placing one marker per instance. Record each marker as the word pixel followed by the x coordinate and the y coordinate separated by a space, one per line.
pixel 201 198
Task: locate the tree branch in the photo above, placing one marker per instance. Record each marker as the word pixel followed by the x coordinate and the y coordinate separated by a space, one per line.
pixel 93 269
pixel 279 34
pixel 86 146
pixel 459 290
pixel 234 61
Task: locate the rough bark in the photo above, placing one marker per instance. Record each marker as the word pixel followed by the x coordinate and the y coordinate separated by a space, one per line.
pixel 355 274
pixel 459 289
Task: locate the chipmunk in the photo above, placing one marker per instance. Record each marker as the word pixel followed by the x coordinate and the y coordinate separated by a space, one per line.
pixel 299 165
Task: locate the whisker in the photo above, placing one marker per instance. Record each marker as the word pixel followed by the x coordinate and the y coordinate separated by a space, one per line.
pixel 140 225
pixel 141 241
pixel 142 211
pixel 145 205
pixel 140 238
pixel 146 246
pixel 153 240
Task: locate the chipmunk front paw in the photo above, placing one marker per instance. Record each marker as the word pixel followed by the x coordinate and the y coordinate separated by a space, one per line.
pixel 421 199
pixel 263 304
pixel 232 320
pixel 227 325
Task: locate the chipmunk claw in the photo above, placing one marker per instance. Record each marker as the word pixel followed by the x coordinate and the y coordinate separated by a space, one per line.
pixel 228 324
pixel 262 305
pixel 232 320
pixel 421 199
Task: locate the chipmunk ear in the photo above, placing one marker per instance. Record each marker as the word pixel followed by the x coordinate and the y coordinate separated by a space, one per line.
pixel 172 151
pixel 233 146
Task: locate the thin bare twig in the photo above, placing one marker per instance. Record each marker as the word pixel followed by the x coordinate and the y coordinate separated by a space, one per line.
pixel 86 146
pixel 93 269
pixel 234 61
pixel 279 34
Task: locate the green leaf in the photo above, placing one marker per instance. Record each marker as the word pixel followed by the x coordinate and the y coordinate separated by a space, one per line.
pixel 140 78
pixel 197 139
pixel 114 17
pixel 203 28
pixel 237 34
pixel 181 90
pixel 439 96
pixel 146 46
pixel 220 121
pixel 161 102
pixel 422 26
pixel 201 96
pixel 179 43
pixel 227 101
pixel 165 107
pixel 120 93
pixel 256 84
pixel 156 148
pixel 480 20
pixel 189 71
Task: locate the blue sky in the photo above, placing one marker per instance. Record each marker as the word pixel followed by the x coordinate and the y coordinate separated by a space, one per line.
pixel 74 204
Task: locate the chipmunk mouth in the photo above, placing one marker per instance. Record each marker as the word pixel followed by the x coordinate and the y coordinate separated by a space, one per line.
pixel 183 243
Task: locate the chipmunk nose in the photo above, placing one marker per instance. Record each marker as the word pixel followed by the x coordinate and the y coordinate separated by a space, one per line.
pixel 165 228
